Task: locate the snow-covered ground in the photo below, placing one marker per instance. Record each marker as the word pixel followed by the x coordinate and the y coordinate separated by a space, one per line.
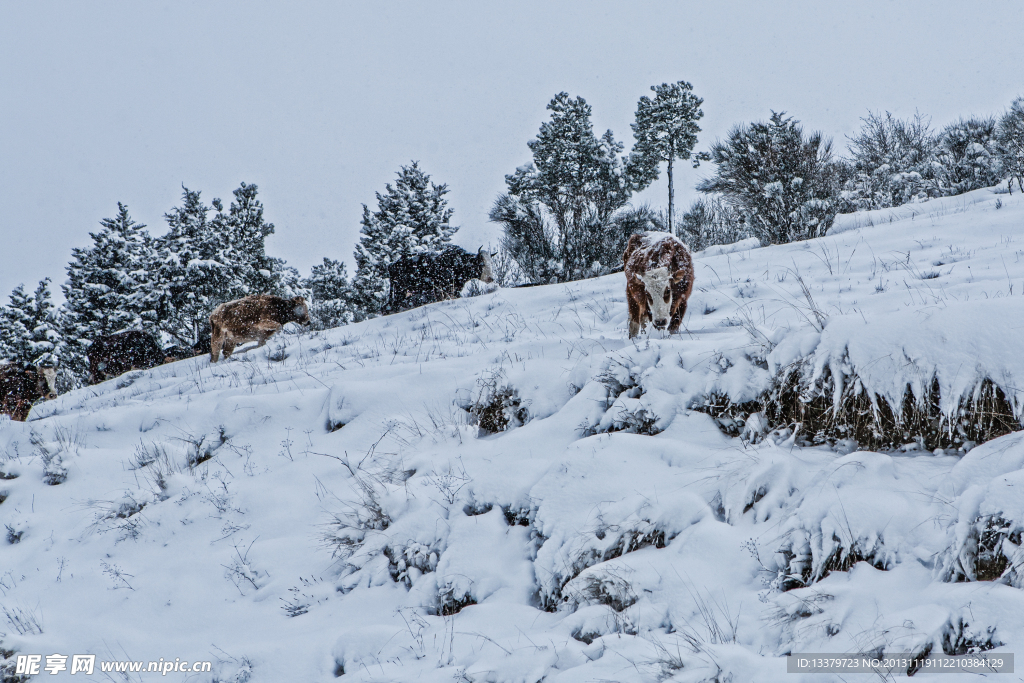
pixel 343 514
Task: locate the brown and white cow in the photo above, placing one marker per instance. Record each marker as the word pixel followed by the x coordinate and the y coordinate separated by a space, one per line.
pixel 23 385
pixel 253 318
pixel 659 279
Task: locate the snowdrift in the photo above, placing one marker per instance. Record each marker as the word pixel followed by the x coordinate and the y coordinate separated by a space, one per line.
pixel 504 488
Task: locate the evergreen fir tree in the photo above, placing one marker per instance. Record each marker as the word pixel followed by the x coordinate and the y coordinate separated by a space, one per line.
pixel 783 184
pixel 246 232
pixel 665 130
pixel 412 217
pixel 29 327
pixel 15 323
pixel 557 215
pixel 107 282
pixel 191 271
pixel 331 295
pixel 204 261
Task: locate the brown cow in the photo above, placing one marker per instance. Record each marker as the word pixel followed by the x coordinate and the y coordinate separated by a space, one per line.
pixel 253 318
pixel 23 385
pixel 659 279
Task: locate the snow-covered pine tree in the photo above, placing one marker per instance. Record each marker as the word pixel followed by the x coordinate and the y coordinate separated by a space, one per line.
pixel 202 262
pixel 412 217
pixel 192 270
pixel 30 327
pixel 331 295
pixel 246 233
pixel 1010 135
pixel 14 327
pixel 665 130
pixel 558 210
pixel 107 282
pixel 784 185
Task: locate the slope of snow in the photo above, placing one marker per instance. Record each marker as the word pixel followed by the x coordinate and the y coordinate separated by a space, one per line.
pixel 345 516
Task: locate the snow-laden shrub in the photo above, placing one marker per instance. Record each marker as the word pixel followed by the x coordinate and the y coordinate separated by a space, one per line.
pixel 600 586
pixel 8 667
pixel 570 588
pixel 831 405
pixel 406 563
pixel 710 222
pixel 990 552
pixel 986 540
pixel 1010 135
pixel 626 407
pixel 968 156
pixel 477 288
pixel 784 184
pixel 960 637
pixel 495 406
pixel 452 597
pixel 891 162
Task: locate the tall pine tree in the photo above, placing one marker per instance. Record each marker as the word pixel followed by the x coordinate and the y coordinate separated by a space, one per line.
pixel 665 130
pixel 107 282
pixel 412 217
pixel 246 232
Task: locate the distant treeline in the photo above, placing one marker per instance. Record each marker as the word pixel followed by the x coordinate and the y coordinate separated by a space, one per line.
pixel 565 216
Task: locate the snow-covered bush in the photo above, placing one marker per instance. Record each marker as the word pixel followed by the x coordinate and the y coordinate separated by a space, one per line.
pixel 986 542
pixel 784 184
pixel 815 406
pixel 711 222
pixel 891 162
pixel 967 156
pixel 626 406
pixel 496 406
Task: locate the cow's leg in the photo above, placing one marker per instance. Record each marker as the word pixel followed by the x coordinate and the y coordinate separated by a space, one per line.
pixel 682 297
pixel 216 342
pixel 228 346
pixel 635 313
pixel 266 332
pixel 677 318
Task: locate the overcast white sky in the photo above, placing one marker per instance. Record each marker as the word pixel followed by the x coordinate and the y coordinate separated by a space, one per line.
pixel 319 103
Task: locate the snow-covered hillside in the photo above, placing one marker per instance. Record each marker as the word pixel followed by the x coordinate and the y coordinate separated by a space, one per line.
pixel 330 506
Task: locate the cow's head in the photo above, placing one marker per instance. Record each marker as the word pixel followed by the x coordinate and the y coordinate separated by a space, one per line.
pixel 300 311
pixel 484 257
pixel 658 286
pixel 46 381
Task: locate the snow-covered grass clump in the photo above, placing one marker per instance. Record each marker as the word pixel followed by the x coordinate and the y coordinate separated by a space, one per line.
pixel 504 488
